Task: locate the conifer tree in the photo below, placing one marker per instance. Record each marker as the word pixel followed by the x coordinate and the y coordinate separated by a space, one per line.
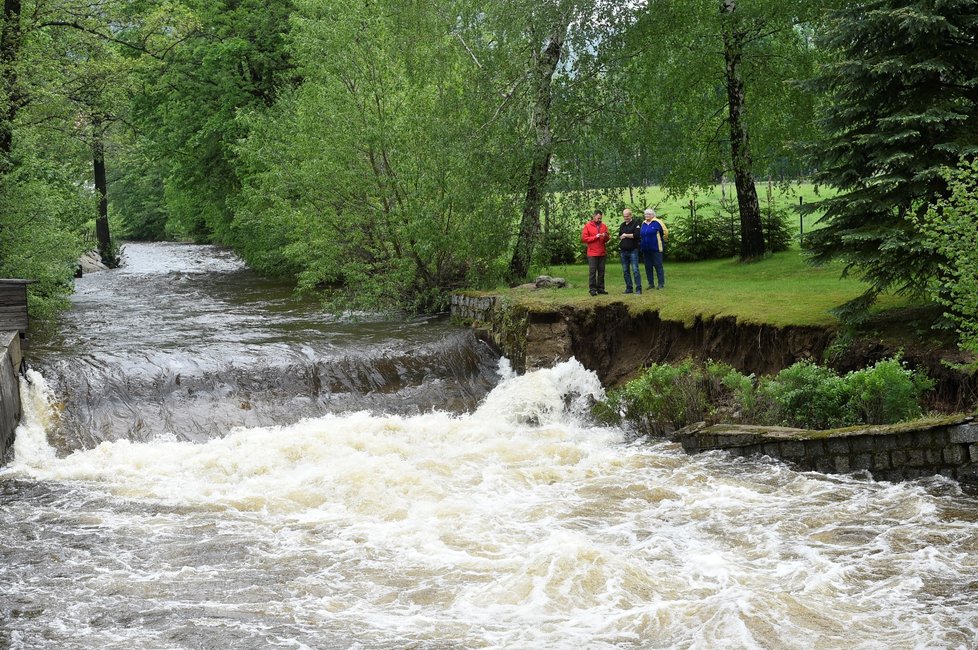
pixel 901 103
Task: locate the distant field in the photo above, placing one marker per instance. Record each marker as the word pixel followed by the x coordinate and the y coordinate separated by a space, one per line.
pixel 781 290
pixel 778 196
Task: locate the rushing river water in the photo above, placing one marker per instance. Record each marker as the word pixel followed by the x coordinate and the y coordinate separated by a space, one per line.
pixel 204 463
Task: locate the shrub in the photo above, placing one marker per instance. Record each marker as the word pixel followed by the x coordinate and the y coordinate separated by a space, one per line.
pixel 949 230
pixel 733 395
pixel 887 392
pixel 664 397
pixel 808 396
pixel 703 236
pixel 667 397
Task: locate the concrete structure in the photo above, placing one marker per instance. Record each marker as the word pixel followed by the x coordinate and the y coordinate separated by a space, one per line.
pixel 10 366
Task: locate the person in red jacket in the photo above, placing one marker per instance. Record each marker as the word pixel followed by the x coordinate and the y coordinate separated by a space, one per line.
pixel 595 235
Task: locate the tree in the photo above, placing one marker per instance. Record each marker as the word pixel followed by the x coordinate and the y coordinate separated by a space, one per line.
pixel 217 58
pixel 901 102
pixel 949 229
pixel 541 68
pixel 372 179
pixel 703 69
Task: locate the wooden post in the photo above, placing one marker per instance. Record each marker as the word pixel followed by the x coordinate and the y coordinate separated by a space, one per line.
pixel 801 222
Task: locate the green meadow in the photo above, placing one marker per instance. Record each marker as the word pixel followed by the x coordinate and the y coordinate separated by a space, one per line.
pixel 772 195
pixel 782 289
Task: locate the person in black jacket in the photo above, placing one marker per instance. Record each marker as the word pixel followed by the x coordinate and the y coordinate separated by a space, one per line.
pixel 628 240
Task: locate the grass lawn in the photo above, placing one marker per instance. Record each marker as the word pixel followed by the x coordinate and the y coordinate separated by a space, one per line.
pixel 671 208
pixel 779 290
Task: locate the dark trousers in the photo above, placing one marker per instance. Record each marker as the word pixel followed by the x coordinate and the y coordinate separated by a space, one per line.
pixel 629 267
pixel 595 274
pixel 653 261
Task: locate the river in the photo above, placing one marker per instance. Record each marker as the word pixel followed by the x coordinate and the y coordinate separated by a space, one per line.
pixel 205 462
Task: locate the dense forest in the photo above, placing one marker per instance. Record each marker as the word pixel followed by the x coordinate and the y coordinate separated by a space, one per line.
pixel 387 152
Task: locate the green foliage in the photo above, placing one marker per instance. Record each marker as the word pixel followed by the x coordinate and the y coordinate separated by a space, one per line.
pixel 672 81
pixel 733 395
pixel 397 210
pixel 898 106
pixel 949 227
pixel 137 195
pixel 221 58
pixel 808 396
pixel 665 397
pixel 706 235
pixel 886 393
pixel 42 212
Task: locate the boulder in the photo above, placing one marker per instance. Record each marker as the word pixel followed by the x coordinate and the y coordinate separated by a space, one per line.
pixel 91 262
pixel 547 282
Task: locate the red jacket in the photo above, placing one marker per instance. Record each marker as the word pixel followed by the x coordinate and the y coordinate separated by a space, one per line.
pixel 595 243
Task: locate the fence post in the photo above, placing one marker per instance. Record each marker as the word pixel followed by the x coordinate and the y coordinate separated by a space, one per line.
pixel 801 222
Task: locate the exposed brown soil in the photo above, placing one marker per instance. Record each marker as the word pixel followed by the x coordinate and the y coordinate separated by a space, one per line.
pixel 616 344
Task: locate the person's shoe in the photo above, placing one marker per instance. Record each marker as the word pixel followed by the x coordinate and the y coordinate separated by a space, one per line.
pixel 627 291
pixel 594 293
pixel 603 292
pixel 639 291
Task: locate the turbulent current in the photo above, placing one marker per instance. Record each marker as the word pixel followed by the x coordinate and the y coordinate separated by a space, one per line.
pixel 205 463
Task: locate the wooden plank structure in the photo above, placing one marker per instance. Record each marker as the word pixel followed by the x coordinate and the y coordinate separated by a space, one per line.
pixel 13 305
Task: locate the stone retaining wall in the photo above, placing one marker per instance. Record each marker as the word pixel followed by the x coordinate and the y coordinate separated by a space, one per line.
pixel 948 447
pixel 10 363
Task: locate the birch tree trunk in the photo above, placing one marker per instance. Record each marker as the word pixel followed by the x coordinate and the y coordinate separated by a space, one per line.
pixel 751 232
pixel 545 65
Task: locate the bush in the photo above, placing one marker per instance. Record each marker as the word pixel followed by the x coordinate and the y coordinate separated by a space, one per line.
pixel 886 393
pixel 733 395
pixel 803 395
pixel 949 230
pixel 664 397
pixel 808 396
pixel 704 236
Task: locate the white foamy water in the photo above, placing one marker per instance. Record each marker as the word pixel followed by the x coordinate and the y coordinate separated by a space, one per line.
pixel 519 525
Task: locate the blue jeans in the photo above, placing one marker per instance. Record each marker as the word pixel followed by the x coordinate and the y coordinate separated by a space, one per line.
pixel 629 267
pixel 653 260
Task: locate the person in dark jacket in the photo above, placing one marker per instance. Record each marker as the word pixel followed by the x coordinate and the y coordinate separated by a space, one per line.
pixel 595 235
pixel 628 240
pixel 652 236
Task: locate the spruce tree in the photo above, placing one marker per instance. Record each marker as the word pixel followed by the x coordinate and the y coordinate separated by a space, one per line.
pixel 901 102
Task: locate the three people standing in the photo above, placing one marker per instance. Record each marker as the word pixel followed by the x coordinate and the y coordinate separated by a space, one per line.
pixel 652 237
pixel 647 237
pixel 595 235
pixel 628 241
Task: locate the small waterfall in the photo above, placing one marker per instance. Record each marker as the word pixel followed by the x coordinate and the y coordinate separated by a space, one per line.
pixel 184 341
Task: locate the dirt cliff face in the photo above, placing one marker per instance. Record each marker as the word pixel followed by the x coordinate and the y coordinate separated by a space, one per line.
pixel 617 344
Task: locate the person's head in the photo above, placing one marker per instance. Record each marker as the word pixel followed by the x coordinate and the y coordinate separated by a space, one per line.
pixel 597 216
pixel 649 214
pixel 627 214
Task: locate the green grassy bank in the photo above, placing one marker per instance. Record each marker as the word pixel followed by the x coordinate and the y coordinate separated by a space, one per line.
pixel 781 290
